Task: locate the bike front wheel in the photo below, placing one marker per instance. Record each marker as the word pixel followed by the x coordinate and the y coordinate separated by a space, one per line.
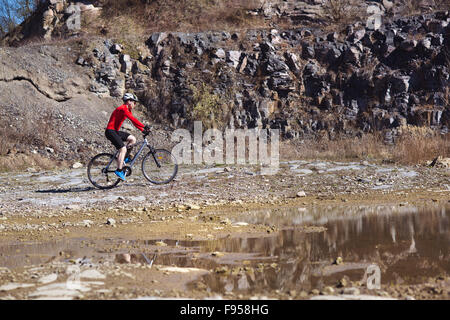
pixel 159 167
pixel 101 169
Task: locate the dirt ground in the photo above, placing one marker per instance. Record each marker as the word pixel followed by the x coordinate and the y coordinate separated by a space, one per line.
pixel 53 221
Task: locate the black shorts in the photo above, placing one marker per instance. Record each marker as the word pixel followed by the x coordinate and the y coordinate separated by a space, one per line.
pixel 117 137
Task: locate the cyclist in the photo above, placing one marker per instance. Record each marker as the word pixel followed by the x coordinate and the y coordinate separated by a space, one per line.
pixel 118 137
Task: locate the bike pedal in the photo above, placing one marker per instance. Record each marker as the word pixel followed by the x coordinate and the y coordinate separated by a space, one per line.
pixel 127 171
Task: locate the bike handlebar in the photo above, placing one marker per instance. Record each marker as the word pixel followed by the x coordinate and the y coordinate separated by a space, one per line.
pixel 146 131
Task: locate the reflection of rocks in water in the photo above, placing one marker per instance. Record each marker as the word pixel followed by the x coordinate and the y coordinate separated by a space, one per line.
pixel 401 244
pixel 243 283
pixel 405 245
pixel 123 258
pixel 134 258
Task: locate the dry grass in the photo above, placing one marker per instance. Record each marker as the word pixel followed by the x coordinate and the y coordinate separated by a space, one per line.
pixel 140 17
pixel 413 146
pixel 418 144
pixel 412 7
pixel 344 12
pixel 17 142
pixel 21 162
pixel 369 146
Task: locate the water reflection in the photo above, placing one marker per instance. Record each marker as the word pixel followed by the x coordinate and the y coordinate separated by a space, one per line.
pixel 407 244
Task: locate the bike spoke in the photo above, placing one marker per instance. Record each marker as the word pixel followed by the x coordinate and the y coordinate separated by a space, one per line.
pixel 159 166
pixel 101 171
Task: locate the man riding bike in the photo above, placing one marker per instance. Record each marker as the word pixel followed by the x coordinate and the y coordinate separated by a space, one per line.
pixel 118 137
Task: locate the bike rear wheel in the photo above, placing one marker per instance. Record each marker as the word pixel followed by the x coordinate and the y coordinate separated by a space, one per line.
pixel 159 167
pixel 101 169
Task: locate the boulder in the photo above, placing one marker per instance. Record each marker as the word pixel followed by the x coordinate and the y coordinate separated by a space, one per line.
pixel 58 5
pixel 117 88
pixel 47 23
pixel 357 36
pixel 252 65
pixel 219 54
pixel 281 81
pixel 274 37
pixel 375 12
pixel 388 5
pixel 99 89
pixel 233 58
pixel 77 165
pixel 400 84
pixel 266 47
pixel 80 61
pixel 266 108
pixel 307 51
pixel 300 194
pixel 165 67
pixel 332 37
pixel 116 49
pixel 156 38
pixel 408 45
pixel 293 62
pixel 352 55
pixel 351 112
pixel 273 64
pixel 106 73
pixel 125 62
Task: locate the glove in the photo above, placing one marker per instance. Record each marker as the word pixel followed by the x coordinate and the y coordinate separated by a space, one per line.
pixel 146 129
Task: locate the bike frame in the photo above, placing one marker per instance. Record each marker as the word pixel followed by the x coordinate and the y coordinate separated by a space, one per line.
pixel 141 148
pixel 143 145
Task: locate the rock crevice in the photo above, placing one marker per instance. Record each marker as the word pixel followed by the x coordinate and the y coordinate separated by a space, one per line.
pixel 43 92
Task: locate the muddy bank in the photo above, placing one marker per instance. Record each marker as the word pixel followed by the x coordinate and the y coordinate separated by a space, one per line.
pixel 38 205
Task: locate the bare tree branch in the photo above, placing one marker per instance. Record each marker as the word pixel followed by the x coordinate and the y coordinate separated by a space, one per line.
pixel 14 12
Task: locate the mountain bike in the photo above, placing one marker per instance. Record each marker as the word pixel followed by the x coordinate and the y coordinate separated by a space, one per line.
pixel 159 166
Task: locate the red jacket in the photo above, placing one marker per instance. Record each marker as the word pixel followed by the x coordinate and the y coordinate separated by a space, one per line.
pixel 118 117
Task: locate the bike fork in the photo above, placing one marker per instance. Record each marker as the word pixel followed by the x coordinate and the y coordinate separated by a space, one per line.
pixel 153 151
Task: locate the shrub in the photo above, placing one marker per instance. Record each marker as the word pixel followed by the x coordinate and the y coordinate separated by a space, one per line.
pixel 344 11
pixel 417 144
pixel 414 145
pixel 208 108
pixel 143 16
pixel 157 100
pixel 411 7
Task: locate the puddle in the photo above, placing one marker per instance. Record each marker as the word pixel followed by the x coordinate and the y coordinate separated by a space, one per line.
pixel 382 187
pixel 302 172
pixel 408 174
pixel 407 244
pixel 342 168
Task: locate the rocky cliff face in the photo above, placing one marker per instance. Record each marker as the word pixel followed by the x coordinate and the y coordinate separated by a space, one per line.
pixel 304 80
pixel 301 80
pixel 46 107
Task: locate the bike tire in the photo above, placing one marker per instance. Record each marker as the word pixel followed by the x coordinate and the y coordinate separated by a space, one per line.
pixel 163 174
pixel 96 171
